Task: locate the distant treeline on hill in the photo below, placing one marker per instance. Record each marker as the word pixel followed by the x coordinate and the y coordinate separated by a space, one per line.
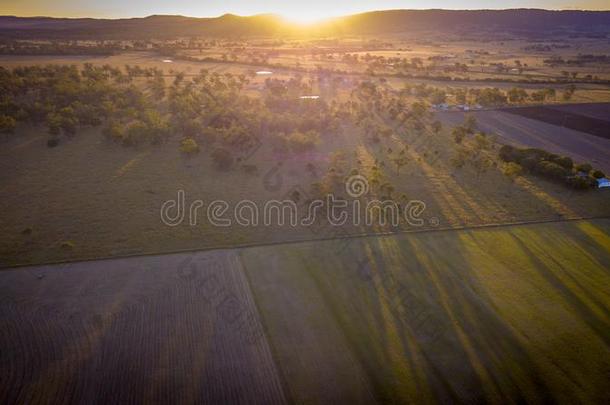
pixel 591 23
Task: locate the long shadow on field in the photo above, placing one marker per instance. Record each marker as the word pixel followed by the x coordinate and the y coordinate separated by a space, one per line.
pixel 476 358
pixel 595 239
pixel 599 325
pixel 493 350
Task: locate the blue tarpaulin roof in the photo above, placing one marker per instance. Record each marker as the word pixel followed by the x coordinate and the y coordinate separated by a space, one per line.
pixel 603 183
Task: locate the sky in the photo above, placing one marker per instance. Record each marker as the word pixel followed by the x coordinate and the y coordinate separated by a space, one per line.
pixel 297 10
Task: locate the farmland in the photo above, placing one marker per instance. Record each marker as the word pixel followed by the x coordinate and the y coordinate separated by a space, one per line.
pixel 519 130
pixel 472 315
pixel 401 206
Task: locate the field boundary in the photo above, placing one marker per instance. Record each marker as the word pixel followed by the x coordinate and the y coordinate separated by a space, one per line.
pixel 296 241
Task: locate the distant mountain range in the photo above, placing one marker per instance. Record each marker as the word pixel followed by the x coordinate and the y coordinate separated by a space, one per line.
pixel 377 22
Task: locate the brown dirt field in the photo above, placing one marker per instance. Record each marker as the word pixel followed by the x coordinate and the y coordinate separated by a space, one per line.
pixel 180 329
pixel 601 111
pixel 565 119
pixel 522 131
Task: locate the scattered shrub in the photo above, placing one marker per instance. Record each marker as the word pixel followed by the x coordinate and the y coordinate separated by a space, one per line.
pixel 189 146
pixel 579 182
pixel 584 167
pixel 598 174
pixel 7 124
pixel 459 133
pixel 564 162
pixel 136 133
pixel 507 153
pixel 114 132
pixel 481 141
pixel 512 169
pixel 470 123
pixel 303 141
pixel 529 163
pixel 551 170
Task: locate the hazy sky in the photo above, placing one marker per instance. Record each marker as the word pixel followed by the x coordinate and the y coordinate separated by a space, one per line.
pixel 294 9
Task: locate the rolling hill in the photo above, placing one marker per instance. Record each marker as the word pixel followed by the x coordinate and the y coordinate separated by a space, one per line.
pixel 377 22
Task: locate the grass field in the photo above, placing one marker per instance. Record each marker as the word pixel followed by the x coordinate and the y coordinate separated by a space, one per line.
pixel 91 198
pixel 518 313
pixel 104 200
pixel 464 316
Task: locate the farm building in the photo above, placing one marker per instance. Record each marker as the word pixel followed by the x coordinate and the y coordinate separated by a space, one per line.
pixel 603 183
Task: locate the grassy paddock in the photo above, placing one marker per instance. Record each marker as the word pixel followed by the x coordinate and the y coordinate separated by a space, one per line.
pixel 482 315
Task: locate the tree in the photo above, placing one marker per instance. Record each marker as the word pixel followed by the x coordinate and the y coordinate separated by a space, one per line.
pixel 481 141
pixel 470 123
pixel 438 96
pixel 459 133
pixel 437 127
pixel 400 162
pixel 135 134
pixel 551 170
pixel 418 110
pixel 114 131
pixel 578 183
pixel 598 174
pixel 53 124
pixel 157 126
pixel 565 162
pixel 302 142
pixel 584 168
pixel 507 153
pixel 517 95
pixel 388 188
pixel 490 97
pixel 7 124
pixel 550 93
pixel 157 88
pixel 460 157
pixel 460 96
pixel 569 92
pixel 512 170
pixel 481 163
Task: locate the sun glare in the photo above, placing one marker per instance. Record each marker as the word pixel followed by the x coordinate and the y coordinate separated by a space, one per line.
pixel 304 18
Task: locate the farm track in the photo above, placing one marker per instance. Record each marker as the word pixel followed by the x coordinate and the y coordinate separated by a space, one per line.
pixel 339 236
